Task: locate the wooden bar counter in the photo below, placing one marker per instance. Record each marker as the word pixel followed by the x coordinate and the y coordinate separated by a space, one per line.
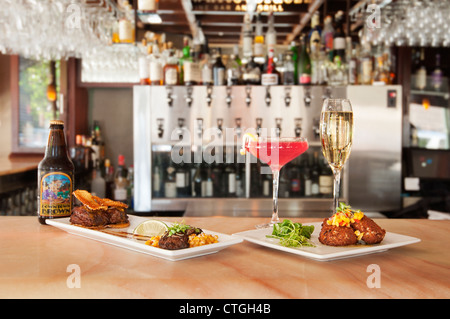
pixel 35 262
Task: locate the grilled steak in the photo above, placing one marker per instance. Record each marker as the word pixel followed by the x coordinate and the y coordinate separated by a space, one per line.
pixel 94 218
pixel 177 240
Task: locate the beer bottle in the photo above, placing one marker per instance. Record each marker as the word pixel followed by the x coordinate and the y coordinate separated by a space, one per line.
pixel 55 177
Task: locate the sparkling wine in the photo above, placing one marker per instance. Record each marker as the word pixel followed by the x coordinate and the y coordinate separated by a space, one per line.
pixel 336 135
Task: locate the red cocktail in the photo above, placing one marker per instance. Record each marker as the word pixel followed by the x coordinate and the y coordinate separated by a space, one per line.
pixel 275 152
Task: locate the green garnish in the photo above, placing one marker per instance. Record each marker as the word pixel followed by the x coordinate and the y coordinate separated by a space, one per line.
pixel 180 228
pixel 292 234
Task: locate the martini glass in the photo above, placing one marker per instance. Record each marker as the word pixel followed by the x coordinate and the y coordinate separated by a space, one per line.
pixel 275 152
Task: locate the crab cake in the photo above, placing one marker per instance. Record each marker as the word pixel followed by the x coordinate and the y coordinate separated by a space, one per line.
pixel 372 233
pixel 337 235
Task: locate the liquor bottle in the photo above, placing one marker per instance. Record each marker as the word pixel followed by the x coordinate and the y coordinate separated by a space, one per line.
pixel 380 75
pixel 236 55
pixel 109 179
pixel 325 179
pixel 267 184
pixel 126 25
pixel 144 68
pixel 271 34
pixel 295 180
pixel 271 75
pixel 156 68
pixel 258 43
pixel 306 175
pixel 315 172
pixel 196 188
pixel 170 186
pixel 55 177
pixel 365 65
pixel 247 39
pixel 207 183
pixel 130 187
pixel 304 65
pixel 218 70
pixel 230 179
pixel 240 179
pixel 294 49
pixel 191 72
pixel 339 37
pixel 182 180
pixel 252 73
pixel 120 180
pixel 289 70
pixel 233 71
pixel 421 75
pixel 185 57
pixel 315 33
pixel 171 70
pixel 437 74
pixel 327 36
pixel 206 69
pixel 100 143
pixel 157 176
pixel 98 185
pixel 353 68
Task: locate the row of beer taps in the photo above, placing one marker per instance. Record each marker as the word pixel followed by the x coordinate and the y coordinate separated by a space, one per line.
pixel 219 128
pixel 248 100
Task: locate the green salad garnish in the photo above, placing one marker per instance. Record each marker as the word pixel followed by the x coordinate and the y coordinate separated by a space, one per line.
pixel 292 234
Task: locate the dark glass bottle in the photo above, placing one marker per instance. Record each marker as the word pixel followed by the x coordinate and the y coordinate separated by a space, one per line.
pixel 55 177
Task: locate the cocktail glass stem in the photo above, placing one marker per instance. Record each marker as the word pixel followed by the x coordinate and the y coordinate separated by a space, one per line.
pixel 276 182
pixel 337 182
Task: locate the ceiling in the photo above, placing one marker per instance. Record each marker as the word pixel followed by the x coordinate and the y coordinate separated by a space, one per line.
pixel 222 25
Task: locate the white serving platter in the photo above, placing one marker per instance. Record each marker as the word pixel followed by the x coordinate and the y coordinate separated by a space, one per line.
pixel 134 244
pixel 326 253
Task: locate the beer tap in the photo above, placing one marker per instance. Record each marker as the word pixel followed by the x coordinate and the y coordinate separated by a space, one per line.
pixel 179 130
pixel 169 90
pixel 278 121
pixel 258 126
pixel 200 127
pixel 287 96
pixel 189 98
pixel 228 98
pixel 298 126
pixel 219 127
pixel 248 99
pixel 209 90
pixel 238 127
pixel 268 98
pixel 160 122
pixel 316 127
pixel 307 96
pixel 326 92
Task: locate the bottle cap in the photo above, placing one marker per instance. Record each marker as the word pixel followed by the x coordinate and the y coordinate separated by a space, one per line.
pixel 56 122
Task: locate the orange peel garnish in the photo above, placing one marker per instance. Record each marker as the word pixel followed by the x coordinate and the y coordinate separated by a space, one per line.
pixel 245 139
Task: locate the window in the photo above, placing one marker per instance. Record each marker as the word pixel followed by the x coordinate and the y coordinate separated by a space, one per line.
pixel 36 104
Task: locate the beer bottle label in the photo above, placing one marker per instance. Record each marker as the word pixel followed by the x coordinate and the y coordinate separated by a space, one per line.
pixel 55 194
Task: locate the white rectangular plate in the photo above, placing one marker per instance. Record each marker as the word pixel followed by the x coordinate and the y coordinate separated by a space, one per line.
pixel 224 240
pixel 322 252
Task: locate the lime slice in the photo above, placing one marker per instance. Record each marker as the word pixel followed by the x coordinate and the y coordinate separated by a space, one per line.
pixel 150 228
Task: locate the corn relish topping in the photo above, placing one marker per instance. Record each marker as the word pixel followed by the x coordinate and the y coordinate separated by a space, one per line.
pixel 345 216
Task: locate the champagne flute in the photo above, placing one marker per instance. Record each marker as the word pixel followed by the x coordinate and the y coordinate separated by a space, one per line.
pixel 336 135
